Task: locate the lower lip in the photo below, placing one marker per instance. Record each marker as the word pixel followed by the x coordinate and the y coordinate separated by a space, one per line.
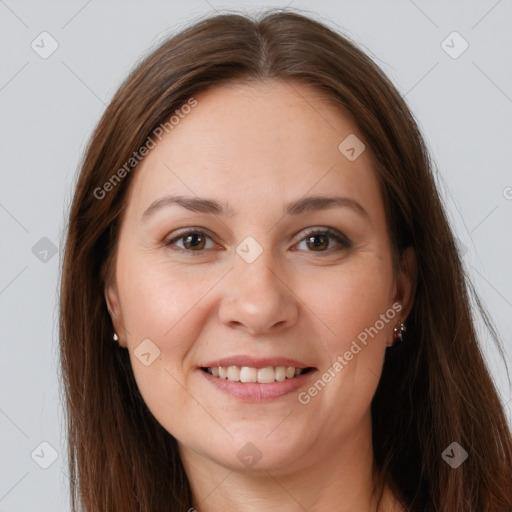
pixel 255 392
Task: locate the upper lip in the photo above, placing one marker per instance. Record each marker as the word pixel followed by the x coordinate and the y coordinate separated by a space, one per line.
pixel 255 362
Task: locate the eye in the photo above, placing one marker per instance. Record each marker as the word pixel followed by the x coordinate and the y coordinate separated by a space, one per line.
pixel 195 240
pixel 318 238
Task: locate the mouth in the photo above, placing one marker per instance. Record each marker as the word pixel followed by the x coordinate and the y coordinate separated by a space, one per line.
pixel 260 382
pixel 252 375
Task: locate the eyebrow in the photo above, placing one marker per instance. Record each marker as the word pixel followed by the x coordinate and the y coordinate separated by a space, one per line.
pixel 214 207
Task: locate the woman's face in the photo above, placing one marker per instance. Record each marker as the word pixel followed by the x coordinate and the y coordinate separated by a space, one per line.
pixel 240 273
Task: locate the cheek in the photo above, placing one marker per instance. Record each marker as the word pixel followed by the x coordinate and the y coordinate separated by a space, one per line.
pixel 163 305
pixel 155 296
pixel 160 308
pixel 354 304
pixel 350 299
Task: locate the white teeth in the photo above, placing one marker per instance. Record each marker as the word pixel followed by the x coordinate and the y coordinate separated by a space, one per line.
pixel 280 373
pixel 248 374
pixel 265 375
pixel 234 373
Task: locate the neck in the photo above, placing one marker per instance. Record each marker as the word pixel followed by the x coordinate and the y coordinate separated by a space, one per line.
pixel 338 478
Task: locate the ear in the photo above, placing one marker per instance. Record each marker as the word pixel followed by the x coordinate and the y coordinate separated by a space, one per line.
pixel 114 308
pixel 406 282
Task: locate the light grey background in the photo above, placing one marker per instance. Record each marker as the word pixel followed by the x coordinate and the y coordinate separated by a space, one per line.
pixel 50 106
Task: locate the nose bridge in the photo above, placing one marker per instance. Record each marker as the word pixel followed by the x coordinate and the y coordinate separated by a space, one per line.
pixel 256 295
pixel 256 269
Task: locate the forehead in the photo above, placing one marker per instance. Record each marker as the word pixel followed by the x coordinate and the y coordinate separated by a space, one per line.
pixel 265 142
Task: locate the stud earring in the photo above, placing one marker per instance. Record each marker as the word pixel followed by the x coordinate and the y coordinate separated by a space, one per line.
pixel 398 331
pixel 116 338
pixel 397 334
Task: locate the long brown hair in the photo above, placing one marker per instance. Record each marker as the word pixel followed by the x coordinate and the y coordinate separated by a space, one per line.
pixel 435 388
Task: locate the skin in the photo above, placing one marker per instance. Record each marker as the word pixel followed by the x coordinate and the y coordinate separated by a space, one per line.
pixel 257 147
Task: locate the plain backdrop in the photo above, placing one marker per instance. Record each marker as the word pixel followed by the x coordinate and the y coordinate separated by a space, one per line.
pixel 461 97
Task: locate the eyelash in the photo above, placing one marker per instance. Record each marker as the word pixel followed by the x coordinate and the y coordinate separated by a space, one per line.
pixel 333 234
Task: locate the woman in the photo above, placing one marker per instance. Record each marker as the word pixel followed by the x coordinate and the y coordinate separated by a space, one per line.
pixel 257 227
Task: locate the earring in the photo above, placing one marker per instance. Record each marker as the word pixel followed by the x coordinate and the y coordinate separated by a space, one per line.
pixel 116 338
pixel 398 332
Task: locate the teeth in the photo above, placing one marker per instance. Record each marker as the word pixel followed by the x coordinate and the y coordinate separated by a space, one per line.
pixel 280 373
pixel 265 375
pixel 248 374
pixel 233 373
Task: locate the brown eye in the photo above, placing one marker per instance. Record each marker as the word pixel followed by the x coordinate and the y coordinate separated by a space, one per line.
pixel 192 241
pixel 317 240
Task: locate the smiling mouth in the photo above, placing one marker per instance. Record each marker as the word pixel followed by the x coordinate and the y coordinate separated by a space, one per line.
pixel 247 374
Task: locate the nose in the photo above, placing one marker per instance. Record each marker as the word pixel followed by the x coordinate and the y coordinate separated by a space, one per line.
pixel 257 298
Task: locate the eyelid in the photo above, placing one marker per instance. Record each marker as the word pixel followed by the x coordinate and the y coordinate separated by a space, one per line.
pixel 334 233
pixel 326 231
pixel 182 233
